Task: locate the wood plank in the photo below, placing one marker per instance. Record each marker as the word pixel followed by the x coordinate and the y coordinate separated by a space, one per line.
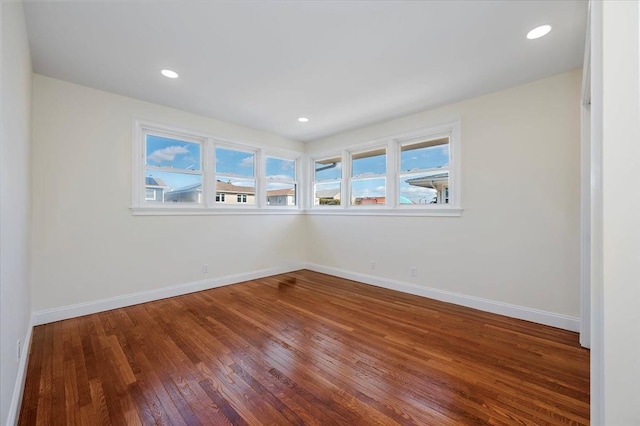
pixel 304 349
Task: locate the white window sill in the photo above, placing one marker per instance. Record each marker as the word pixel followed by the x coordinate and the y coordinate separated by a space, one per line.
pixel 382 211
pixel 203 211
pixel 234 211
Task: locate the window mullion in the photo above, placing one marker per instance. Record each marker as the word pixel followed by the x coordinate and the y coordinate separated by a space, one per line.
pixel 454 165
pixel 260 176
pixel 209 173
pixel 345 187
pixel 309 181
pixel 391 175
pixel 301 185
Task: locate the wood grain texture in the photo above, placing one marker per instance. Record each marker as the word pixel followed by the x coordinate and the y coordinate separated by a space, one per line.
pixel 303 349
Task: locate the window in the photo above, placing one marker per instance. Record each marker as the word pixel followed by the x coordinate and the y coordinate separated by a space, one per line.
pixel 178 171
pixel 368 183
pixel 235 174
pixel 173 168
pixel 281 182
pixel 327 183
pixel 424 172
pixel 413 174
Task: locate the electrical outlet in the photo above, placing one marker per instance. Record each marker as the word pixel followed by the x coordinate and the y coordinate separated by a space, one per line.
pixel 19 350
pixel 413 271
pixel 205 269
pixel 373 264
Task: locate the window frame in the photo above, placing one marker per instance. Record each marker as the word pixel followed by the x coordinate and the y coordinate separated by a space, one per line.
pixel 305 175
pixel 351 179
pixel 313 182
pixel 208 144
pixel 142 129
pixel 239 148
pixel 402 142
pixel 394 144
pixel 296 179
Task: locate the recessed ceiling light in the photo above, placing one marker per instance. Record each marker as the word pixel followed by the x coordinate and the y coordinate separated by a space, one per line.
pixel 303 119
pixel 169 73
pixel 538 32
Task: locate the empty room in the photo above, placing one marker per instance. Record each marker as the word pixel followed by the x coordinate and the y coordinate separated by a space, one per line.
pixel 320 212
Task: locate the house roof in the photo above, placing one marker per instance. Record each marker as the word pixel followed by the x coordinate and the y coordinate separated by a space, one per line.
pixel 229 188
pixel 154 181
pixel 188 188
pixel 428 181
pixel 328 193
pixel 277 192
pixel 226 187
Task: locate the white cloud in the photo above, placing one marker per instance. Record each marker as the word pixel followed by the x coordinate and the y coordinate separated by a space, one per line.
pixel 167 154
pixel 368 192
pixel 277 185
pixel 244 183
pixel 280 177
pixel 417 190
pixel 247 161
pixel 286 165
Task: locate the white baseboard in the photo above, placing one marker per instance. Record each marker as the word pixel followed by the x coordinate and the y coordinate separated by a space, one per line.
pixel 514 311
pixel 542 317
pixel 18 388
pixel 86 308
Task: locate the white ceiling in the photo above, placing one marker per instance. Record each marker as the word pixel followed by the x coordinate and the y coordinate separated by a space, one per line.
pixel 343 64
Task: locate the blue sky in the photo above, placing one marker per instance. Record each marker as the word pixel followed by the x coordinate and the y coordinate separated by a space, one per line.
pixel 418 160
pixel 176 155
pixel 278 168
pixel 235 163
pixel 369 165
pixel 171 153
pixel 424 158
pixel 413 161
pixel 231 165
pixel 329 173
pixel 238 167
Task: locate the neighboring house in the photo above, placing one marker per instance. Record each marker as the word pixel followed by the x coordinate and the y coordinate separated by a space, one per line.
pixel 379 200
pixel 361 201
pixel 439 182
pixel 226 193
pixel 186 194
pixel 154 189
pixel 327 197
pixel 281 197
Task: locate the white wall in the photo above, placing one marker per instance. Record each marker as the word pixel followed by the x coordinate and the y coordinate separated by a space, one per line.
pixel 15 303
pixel 517 241
pixel 86 244
pixel 618 93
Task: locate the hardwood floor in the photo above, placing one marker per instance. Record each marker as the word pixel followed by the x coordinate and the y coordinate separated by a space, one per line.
pixel 303 348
